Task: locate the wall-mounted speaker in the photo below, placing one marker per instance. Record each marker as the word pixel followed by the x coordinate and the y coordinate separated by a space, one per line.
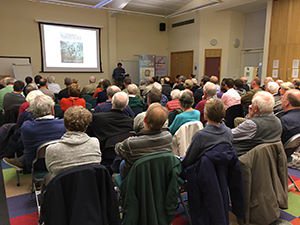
pixel 162 27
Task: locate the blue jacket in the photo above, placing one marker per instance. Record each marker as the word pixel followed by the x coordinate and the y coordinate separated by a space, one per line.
pixel 208 181
pixel 37 132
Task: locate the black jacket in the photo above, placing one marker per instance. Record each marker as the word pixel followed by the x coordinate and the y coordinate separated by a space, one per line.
pixel 109 124
pixel 81 195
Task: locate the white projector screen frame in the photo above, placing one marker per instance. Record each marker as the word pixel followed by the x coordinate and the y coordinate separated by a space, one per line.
pixel 70 48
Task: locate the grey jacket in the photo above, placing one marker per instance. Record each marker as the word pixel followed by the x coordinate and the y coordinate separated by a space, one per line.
pixel 264 172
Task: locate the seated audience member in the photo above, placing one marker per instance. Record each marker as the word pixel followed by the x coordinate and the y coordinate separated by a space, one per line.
pixel 152 97
pixel 14 98
pixel 151 139
pixel 209 91
pixel 28 88
pixel 273 88
pixel 127 81
pixel 245 83
pixel 296 83
pixel 136 103
pixel 266 81
pixel 247 98
pixel 9 82
pixel 99 88
pixel 213 134
pixel 32 93
pixel 215 80
pixel 44 88
pixel 180 82
pixel 35 132
pixel 239 86
pixel 198 94
pixel 107 105
pixel 290 120
pixel 166 87
pixel 75 148
pixel 195 85
pixel 188 84
pixel 231 97
pixel 284 87
pixel 189 114
pixel 114 122
pixel 262 126
pixel 64 93
pixel 279 82
pixel 37 79
pixel 102 95
pixel 174 103
pixel 90 88
pixel 74 99
pixel 52 86
pixel 28 80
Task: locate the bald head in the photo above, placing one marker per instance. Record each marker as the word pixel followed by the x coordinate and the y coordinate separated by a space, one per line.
pixel 92 79
pixel 156 117
pixel 119 101
pixel 214 79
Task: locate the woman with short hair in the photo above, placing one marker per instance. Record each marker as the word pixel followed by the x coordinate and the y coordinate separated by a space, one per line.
pixel 189 114
pixel 75 148
pixel 74 99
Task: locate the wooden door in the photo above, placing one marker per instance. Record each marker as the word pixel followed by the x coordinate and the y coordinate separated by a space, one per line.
pixel 212 62
pixel 181 63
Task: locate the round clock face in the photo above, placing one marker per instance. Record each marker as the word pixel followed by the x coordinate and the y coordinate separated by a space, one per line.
pixel 213 42
pixel 236 43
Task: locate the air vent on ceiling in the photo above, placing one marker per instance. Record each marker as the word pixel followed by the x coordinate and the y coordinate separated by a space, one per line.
pixel 182 23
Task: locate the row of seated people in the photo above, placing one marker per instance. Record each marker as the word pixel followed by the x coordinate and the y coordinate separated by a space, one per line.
pixel 260 106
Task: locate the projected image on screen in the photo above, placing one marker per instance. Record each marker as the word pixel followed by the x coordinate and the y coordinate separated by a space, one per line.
pixel 70 48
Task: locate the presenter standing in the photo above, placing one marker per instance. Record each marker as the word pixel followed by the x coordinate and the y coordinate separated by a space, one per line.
pixel 119 75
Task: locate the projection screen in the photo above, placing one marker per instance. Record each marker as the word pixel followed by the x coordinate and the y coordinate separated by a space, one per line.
pixel 68 48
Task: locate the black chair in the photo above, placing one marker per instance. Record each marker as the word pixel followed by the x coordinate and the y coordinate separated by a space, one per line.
pixel 233 112
pixel 108 150
pixel 81 195
pixel 11 115
pixel 290 147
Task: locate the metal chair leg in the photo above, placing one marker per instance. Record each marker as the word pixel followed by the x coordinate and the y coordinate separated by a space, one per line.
pixel 293 182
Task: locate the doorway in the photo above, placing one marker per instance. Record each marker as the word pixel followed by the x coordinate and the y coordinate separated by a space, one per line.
pixel 212 66
pixel 181 64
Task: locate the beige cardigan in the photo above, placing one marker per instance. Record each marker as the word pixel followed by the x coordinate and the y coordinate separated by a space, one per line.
pixel 265 177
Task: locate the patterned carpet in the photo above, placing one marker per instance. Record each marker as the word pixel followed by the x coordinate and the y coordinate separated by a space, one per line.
pixel 23 211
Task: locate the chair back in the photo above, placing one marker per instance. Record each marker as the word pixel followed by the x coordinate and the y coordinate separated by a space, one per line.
pixel 183 137
pixel 108 148
pixel 81 195
pixel 38 163
pixel 151 188
pixel 233 112
pixel 292 145
pixel 11 115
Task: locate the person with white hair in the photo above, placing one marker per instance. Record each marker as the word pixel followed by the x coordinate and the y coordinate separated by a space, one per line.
pixel 261 126
pixel 107 105
pixel 52 86
pixel 113 123
pixel 209 91
pixel 90 88
pixel 35 132
pixel 273 88
pixel 174 103
pixel 136 103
